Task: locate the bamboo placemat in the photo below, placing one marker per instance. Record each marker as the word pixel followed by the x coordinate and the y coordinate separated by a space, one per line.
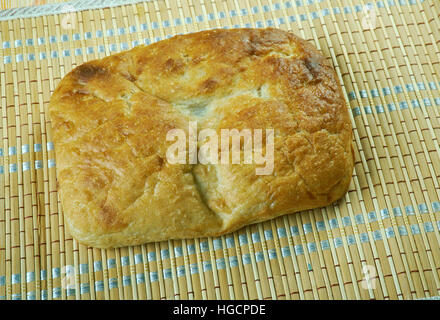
pixel 6 4
pixel 380 242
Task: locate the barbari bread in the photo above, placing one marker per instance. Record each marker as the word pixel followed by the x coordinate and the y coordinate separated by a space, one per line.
pixel 111 119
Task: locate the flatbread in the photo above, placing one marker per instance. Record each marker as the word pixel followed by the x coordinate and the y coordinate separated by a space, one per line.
pixel 111 117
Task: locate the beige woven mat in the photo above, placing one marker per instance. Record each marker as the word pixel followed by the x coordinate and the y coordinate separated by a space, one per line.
pixel 381 241
pixel 6 4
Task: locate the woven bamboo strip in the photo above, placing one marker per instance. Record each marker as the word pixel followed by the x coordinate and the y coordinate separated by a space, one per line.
pixel 4 224
pixel 229 272
pixel 41 189
pixel 34 116
pixel 279 287
pixel 202 283
pixel 216 275
pixel 29 191
pixel 3 217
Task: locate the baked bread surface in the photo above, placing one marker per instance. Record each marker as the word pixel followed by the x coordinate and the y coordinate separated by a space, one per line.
pixel 110 118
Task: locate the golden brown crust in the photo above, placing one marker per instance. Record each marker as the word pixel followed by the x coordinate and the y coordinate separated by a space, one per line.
pixel 110 118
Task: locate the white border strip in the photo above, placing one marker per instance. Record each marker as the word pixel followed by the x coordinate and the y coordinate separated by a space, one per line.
pixel 58 8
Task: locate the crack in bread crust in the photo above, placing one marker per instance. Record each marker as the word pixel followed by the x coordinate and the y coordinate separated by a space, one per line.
pixel 110 119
